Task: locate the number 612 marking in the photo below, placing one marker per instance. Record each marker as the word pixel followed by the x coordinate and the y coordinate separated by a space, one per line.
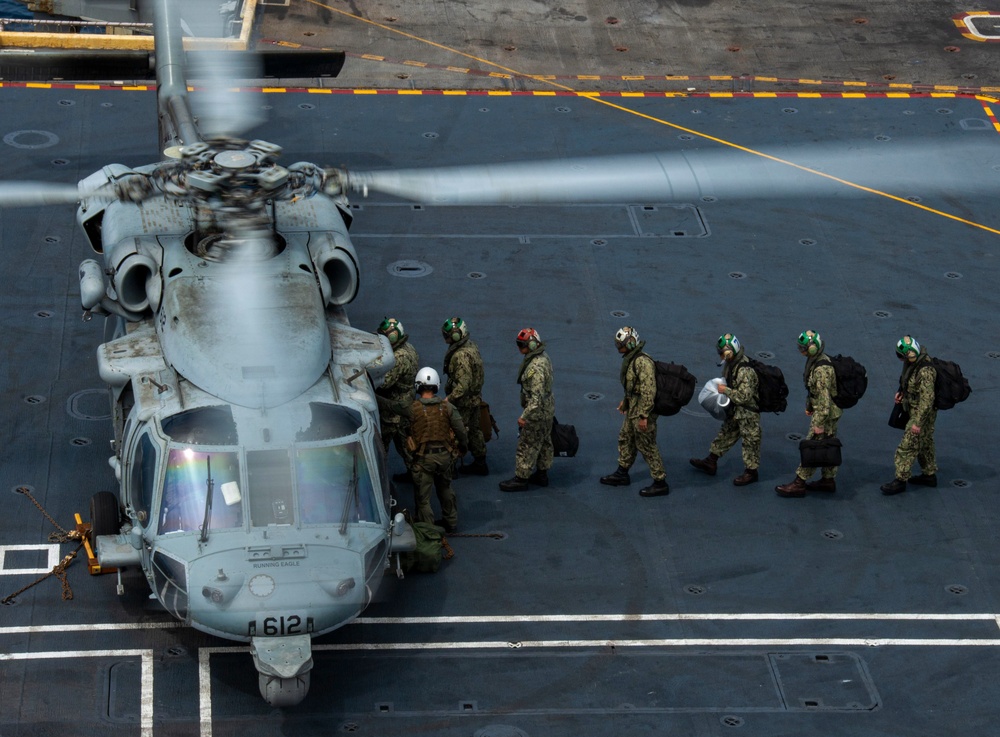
pixel 291 625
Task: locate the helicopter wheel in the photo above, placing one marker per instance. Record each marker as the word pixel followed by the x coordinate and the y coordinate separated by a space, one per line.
pixel 283 691
pixel 105 514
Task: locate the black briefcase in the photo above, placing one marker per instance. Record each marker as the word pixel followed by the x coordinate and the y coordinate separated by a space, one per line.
pixel 820 452
pixel 899 417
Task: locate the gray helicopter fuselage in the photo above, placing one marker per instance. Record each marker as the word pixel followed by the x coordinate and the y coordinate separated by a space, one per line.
pixel 241 379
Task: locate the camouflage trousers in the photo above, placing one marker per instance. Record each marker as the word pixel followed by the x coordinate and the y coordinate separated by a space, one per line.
pixel 918 448
pixel 743 424
pixel 470 418
pixel 395 433
pixel 828 472
pixel 631 441
pixel 433 471
pixel 534 448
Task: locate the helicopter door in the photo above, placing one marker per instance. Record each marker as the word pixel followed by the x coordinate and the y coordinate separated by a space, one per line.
pixel 269 473
pixel 141 479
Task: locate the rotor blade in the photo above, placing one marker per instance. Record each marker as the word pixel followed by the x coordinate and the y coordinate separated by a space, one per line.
pixel 825 170
pixel 221 108
pixel 31 194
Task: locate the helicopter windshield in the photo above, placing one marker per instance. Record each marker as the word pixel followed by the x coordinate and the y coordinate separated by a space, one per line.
pixel 185 486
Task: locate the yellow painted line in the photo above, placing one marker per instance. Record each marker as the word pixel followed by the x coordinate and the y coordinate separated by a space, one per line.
pixel 499 75
pixel 319 91
pixel 634 79
pixel 720 78
pixel 765 94
pixel 137 88
pixel 681 77
pixel 810 94
pixel 766 79
pixel 946 87
pixel 409 92
pixel 853 95
pixel 848 83
pixel 365 92
pixel 628 94
pixel 414 63
pixel 588 77
pixel 273 90
pixel 499 93
pixel 810 81
pixel 372 57
pixel 544 93
pixel 898 94
pixel 720 94
pixel 87 86
pixel 455 92
pixel 464 70
pixel 38 86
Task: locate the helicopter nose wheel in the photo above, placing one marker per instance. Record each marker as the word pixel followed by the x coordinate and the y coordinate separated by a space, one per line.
pixel 279 691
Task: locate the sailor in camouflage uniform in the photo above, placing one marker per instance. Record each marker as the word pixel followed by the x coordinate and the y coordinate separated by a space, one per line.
pixel 916 394
pixel 437 436
pixel 464 368
pixel 742 417
pixel 398 392
pixel 533 457
pixel 821 385
pixel 638 432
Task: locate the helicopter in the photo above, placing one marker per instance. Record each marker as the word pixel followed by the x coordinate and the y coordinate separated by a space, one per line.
pixel 253 493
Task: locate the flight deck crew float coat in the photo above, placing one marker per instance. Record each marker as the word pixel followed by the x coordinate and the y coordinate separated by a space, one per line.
pixel 916 384
pixel 437 436
pixel 534 442
pixel 397 387
pixel 638 377
pixel 744 420
pixel 464 388
pixel 821 384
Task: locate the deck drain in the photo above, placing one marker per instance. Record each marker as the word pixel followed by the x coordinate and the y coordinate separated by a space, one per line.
pixel 598 242
pixel 943 111
pixel 593 396
pixel 709 198
pixel 430 134
pixel 737 275
pixel 350 727
pixel 685 137
pixel 307 106
pixel 993 354
pixel 882 314
pixel 43 313
pixel 833 534
pixel 477 275
pixel 409 269
pixel 52 239
pixel 562 109
pixel 764 355
pixel 952 275
pixel 695 590
pixel 731 721
pixel 619 313
pixel 176 651
pixel 34 399
pixel 913 198
pixel 80 442
pixel 60 162
pixel 484 109
pixel 794 437
pixel 883 138
pixel 696 111
pixel 23 489
pixel 961 483
pixel 807 242
pixel 957 589
pixel 789 110
pixel 67 103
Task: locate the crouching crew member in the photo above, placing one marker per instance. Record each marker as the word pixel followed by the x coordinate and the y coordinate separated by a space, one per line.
pixel 533 457
pixel 437 437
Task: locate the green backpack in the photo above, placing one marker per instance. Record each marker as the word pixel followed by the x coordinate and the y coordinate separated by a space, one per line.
pixel 430 549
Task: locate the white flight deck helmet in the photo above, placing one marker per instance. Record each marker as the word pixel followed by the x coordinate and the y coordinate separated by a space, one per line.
pixel 427 377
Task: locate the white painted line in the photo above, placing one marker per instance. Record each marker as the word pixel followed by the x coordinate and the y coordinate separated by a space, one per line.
pixel 970 24
pixel 51 550
pixel 146 685
pixel 205 689
pixel 678 617
pixel 40 629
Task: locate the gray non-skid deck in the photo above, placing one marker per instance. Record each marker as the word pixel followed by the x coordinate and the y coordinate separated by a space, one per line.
pixel 712 611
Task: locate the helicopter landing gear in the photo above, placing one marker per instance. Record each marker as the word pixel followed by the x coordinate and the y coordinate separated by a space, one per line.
pixel 283 691
pixel 283 665
pixel 105 514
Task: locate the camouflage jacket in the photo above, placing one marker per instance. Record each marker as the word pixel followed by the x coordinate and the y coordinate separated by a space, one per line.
pixel 742 382
pixel 397 386
pixel 917 387
pixel 821 383
pixel 464 368
pixel 638 377
pixel 535 378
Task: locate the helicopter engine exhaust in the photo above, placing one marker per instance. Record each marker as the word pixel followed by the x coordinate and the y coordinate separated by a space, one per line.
pixel 337 268
pixel 137 282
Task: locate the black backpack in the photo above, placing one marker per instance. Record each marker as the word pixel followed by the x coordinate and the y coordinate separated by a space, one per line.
pixel 852 380
pixel 772 391
pixel 950 387
pixel 565 441
pixel 674 388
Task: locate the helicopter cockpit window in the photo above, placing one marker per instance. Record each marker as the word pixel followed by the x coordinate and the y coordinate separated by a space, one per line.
pixel 202 426
pixel 185 486
pixel 334 483
pixel 329 422
pixel 143 478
